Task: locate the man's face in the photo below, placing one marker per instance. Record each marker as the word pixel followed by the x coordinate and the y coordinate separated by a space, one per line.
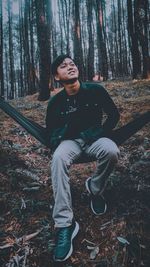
pixel 67 70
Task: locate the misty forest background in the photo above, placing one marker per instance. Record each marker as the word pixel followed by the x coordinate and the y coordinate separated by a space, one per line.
pixel 108 39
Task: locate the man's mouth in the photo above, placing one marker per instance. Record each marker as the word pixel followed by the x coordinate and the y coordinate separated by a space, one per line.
pixel 71 72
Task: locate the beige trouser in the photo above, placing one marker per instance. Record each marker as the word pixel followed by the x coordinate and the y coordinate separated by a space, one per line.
pixel 105 152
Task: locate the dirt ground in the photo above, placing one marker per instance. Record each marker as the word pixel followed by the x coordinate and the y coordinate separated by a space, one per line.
pixel 120 238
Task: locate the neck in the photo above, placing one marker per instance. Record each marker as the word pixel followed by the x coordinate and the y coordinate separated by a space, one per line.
pixel 72 88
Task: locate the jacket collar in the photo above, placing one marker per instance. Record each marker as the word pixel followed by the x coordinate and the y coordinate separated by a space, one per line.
pixel 82 87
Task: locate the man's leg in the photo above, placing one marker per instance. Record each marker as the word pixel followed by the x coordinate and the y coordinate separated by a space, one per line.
pixel 107 153
pixel 67 227
pixel 63 157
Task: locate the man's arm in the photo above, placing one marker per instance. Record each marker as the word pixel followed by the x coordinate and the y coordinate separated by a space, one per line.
pixel 108 106
pixel 54 128
pixel 50 115
pixel 111 111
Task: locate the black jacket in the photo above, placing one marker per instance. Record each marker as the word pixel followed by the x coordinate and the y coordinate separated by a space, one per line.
pixel 84 119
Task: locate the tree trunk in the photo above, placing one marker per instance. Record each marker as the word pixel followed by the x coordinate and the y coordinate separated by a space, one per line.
pixel 116 49
pixel 11 55
pixel 43 38
pixel 90 59
pixel 60 26
pixel 101 41
pixel 66 8
pixel 32 76
pixel 136 60
pixel 78 54
pixel 124 39
pixel 142 33
pixel 6 70
pixel 26 47
pixel 1 53
pixel 120 37
pixel 21 31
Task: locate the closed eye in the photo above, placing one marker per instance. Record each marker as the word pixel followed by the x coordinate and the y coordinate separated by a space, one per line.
pixel 65 65
pixel 62 66
pixel 72 64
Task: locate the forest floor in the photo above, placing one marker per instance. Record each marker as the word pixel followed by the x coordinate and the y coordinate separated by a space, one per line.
pixel 120 238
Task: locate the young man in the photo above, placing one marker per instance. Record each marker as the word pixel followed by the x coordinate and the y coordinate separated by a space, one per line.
pixel 74 127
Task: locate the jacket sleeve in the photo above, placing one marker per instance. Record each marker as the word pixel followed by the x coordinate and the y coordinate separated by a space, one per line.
pixel 54 131
pixel 110 110
pixel 50 117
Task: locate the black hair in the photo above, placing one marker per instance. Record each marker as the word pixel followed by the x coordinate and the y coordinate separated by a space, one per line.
pixel 57 61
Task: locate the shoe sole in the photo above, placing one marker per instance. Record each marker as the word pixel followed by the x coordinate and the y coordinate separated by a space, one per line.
pixel 76 230
pixel 91 205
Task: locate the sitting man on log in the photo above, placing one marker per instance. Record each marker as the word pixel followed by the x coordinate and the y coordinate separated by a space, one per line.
pixel 74 127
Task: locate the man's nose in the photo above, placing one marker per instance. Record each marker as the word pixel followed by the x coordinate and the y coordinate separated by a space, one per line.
pixel 70 67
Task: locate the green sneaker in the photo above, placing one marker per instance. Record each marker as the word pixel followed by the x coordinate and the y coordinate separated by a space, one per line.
pixel 64 246
pixel 98 203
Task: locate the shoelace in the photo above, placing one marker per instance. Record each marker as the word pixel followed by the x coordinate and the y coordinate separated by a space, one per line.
pixel 63 235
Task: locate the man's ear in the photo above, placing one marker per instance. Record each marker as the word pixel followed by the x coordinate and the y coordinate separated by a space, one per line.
pixel 57 77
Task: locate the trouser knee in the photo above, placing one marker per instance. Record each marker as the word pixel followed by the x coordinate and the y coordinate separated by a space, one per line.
pixel 113 154
pixel 110 154
pixel 59 159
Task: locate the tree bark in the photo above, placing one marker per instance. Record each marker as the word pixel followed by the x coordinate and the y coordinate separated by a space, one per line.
pixel 78 54
pixel 141 18
pixel 11 55
pixel 32 73
pixel 90 59
pixel 103 62
pixel 43 38
pixel 136 60
pixel 1 53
